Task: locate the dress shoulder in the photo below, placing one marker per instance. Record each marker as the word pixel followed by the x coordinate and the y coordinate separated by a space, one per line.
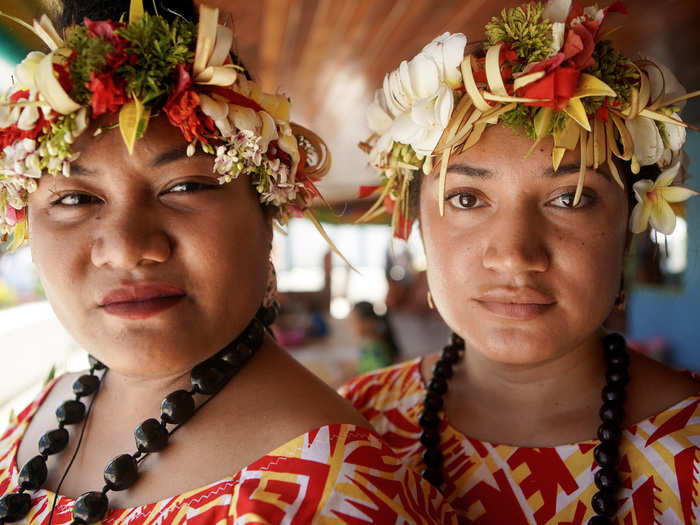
pixel 384 386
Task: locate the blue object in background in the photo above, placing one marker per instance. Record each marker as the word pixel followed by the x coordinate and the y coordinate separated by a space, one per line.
pixel 668 313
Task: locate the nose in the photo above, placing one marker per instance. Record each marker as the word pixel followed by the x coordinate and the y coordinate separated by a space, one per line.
pixel 130 236
pixel 517 243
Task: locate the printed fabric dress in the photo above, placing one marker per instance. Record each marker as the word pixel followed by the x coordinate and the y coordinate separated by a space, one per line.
pixel 336 474
pixel 499 484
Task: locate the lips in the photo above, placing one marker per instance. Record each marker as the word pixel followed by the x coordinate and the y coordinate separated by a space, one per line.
pixel 141 300
pixel 519 304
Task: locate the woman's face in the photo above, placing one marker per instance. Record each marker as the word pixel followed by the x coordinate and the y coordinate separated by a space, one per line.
pixel 147 261
pixel 513 268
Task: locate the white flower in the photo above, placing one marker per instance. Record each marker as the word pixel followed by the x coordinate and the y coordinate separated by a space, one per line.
pixel 558 31
pixel 424 124
pixel 648 144
pixel 594 13
pixel 378 118
pixel 653 200
pixel 448 51
pixel 26 70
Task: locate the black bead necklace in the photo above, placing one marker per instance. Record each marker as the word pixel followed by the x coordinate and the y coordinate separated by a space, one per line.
pixel 612 413
pixel 206 378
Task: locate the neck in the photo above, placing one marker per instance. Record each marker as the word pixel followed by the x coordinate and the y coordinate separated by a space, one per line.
pixel 562 384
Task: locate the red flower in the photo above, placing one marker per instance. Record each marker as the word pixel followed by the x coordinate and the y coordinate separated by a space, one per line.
pixel 579 45
pixel 106 94
pixel 14 215
pixel 182 109
pixel 558 86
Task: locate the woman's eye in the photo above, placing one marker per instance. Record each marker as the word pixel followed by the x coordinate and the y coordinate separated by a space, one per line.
pixel 464 200
pixel 187 187
pixel 75 199
pixel 566 200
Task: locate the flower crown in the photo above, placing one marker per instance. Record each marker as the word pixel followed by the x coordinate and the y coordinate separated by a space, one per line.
pixel 547 70
pixel 128 70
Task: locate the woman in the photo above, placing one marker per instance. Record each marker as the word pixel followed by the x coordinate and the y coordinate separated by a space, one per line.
pixel 378 348
pixel 155 256
pixel 542 142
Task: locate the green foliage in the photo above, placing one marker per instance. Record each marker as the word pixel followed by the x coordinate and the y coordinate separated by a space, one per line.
pixel 616 70
pixel 522 120
pixel 159 48
pixel 524 28
pixel 90 55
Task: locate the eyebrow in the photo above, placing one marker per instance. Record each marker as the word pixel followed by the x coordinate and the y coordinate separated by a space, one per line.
pixel 565 169
pixel 173 155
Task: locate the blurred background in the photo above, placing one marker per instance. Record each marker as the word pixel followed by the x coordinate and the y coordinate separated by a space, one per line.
pixel 329 56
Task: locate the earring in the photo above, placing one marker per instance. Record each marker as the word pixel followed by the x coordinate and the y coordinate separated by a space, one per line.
pixel 621 299
pixel 429 297
pixel 270 297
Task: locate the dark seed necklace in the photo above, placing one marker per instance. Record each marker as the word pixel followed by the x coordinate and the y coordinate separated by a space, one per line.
pixel 206 379
pixel 606 454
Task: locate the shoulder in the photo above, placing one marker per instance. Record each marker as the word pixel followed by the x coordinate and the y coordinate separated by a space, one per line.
pixel 393 382
pixel 344 467
pixel 658 393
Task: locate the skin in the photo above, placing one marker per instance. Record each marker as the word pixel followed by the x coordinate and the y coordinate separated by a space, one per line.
pixel 123 219
pixel 510 234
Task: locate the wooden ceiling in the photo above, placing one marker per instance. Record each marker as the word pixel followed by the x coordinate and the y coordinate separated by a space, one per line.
pixel 329 56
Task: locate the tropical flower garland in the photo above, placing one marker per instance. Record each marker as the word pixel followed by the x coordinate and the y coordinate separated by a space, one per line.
pixel 126 71
pixel 547 70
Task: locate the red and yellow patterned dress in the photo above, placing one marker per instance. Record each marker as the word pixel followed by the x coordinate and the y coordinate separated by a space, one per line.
pixel 499 484
pixel 336 474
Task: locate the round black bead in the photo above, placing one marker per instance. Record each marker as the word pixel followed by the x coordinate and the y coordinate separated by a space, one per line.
pixel 53 441
pixel 604 503
pixel 70 412
pixel 430 437
pixel 609 432
pixel 432 476
pixel 607 479
pixel 267 315
pixel 616 375
pixel 33 474
pixel 433 402
pixel 606 454
pixel 254 334
pixel 456 340
pixel 614 342
pixel 599 520
pixel 151 436
pixel 206 379
pixel 438 385
pixel 620 359
pixel 450 355
pixel 121 472
pixel 90 507
pixel 614 393
pixel 442 369
pixel 432 457
pixel 95 364
pixel 612 411
pixel 86 385
pixel 428 418
pixel 177 407
pixel 14 506
pixel 237 355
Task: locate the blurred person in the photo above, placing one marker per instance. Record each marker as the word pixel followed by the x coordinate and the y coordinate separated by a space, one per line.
pixel 377 346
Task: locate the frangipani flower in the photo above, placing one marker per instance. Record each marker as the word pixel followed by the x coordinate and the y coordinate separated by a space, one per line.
pixel 447 51
pixel 424 124
pixel 653 202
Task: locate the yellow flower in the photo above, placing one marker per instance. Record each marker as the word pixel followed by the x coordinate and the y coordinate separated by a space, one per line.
pixel 653 200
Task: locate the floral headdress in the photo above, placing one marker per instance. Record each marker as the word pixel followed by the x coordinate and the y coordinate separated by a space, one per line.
pixel 547 70
pixel 130 69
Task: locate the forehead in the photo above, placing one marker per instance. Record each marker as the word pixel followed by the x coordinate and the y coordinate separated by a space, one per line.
pixel 161 145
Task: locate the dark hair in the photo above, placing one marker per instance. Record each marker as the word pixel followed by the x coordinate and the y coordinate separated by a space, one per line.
pixel 74 11
pixel 365 310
